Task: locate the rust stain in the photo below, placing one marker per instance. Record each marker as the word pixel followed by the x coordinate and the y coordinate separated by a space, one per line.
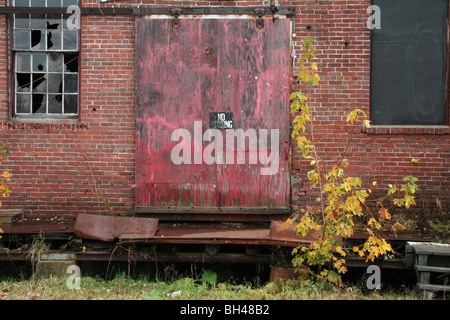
pixel 108 228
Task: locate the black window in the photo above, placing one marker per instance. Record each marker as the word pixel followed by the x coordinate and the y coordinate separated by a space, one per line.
pixel 409 63
pixel 46 51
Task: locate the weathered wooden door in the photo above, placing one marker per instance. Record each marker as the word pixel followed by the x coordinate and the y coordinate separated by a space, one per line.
pixel 203 74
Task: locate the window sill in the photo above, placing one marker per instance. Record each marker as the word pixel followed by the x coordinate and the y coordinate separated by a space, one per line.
pixel 408 130
pixel 46 124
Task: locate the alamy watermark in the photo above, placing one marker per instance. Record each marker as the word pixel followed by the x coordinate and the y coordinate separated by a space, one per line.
pixel 374 280
pixel 73 281
pixel 73 21
pixel 374 21
pixel 189 150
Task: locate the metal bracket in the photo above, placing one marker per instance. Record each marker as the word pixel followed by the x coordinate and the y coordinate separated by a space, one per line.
pixel 260 21
pixel 176 13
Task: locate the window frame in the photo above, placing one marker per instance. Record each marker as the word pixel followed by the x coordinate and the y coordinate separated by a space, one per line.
pixel 13 71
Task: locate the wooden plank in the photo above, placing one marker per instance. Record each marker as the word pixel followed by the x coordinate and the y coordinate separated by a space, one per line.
pixel 430 248
pixel 212 210
pixel 432 269
pixel 433 287
pixel 185 73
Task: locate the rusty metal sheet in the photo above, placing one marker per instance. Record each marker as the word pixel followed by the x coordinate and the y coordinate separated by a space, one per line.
pixel 108 228
pixel 213 231
pixel 278 232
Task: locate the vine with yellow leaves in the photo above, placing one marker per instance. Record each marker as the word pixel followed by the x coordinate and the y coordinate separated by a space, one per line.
pixel 342 200
pixel 5 176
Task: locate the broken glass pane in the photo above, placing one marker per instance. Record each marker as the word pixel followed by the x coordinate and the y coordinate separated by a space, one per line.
pixel 55 83
pixel 39 62
pixel 54 103
pixel 39 82
pixel 37 21
pixel 55 62
pixel 23 83
pixel 23 62
pixel 71 62
pixel 70 103
pixel 54 40
pixel 70 39
pixel 71 82
pixel 53 21
pixel 21 21
pixel 37 39
pixel 23 103
pixel 38 103
pixel 22 39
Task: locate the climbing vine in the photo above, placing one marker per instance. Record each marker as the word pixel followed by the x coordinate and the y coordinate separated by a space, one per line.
pixel 343 200
pixel 4 176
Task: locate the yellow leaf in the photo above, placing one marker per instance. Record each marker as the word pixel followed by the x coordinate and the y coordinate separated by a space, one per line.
pixel 339 250
pixel 317 77
pixel 314 66
pixel 374 183
pixel 415 160
pixel 384 213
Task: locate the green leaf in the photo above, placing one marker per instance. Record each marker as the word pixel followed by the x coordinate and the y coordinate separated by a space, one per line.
pixel 209 276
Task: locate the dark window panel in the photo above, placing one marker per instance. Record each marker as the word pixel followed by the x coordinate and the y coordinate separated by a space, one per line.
pixel 53 3
pixel 71 62
pixel 23 102
pixel 54 21
pixel 37 3
pixel 55 103
pixel 21 21
pixel 23 82
pixel 71 83
pixel 54 40
pixel 39 103
pixel 23 61
pixel 21 3
pixel 70 39
pixel 37 40
pixel 55 83
pixel 38 21
pixel 55 62
pixel 22 39
pixel 39 62
pixel 70 103
pixel 39 82
pixel 409 63
pixel 67 3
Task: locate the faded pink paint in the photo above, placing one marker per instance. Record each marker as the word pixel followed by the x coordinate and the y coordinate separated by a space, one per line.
pixel 185 74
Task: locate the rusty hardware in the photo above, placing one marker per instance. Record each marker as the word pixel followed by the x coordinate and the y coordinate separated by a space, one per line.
pixel 260 21
pixel 176 13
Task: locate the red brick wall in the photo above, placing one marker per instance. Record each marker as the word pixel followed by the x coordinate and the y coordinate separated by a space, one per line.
pixel 58 167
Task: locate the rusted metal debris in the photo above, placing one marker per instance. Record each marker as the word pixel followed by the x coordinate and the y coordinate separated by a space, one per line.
pixel 108 228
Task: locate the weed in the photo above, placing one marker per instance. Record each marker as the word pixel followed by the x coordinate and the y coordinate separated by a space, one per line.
pixel 37 249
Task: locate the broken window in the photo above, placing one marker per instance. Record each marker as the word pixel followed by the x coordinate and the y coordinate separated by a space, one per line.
pixel 46 54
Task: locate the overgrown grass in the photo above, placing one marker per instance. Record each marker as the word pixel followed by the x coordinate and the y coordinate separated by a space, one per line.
pixel 124 288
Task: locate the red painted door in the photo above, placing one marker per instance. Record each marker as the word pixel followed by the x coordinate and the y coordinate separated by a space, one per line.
pixel 212 113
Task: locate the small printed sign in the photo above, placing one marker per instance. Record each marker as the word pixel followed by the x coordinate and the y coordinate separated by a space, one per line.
pixel 221 120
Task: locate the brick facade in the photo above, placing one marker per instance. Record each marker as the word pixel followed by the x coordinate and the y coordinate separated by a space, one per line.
pixel 59 166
